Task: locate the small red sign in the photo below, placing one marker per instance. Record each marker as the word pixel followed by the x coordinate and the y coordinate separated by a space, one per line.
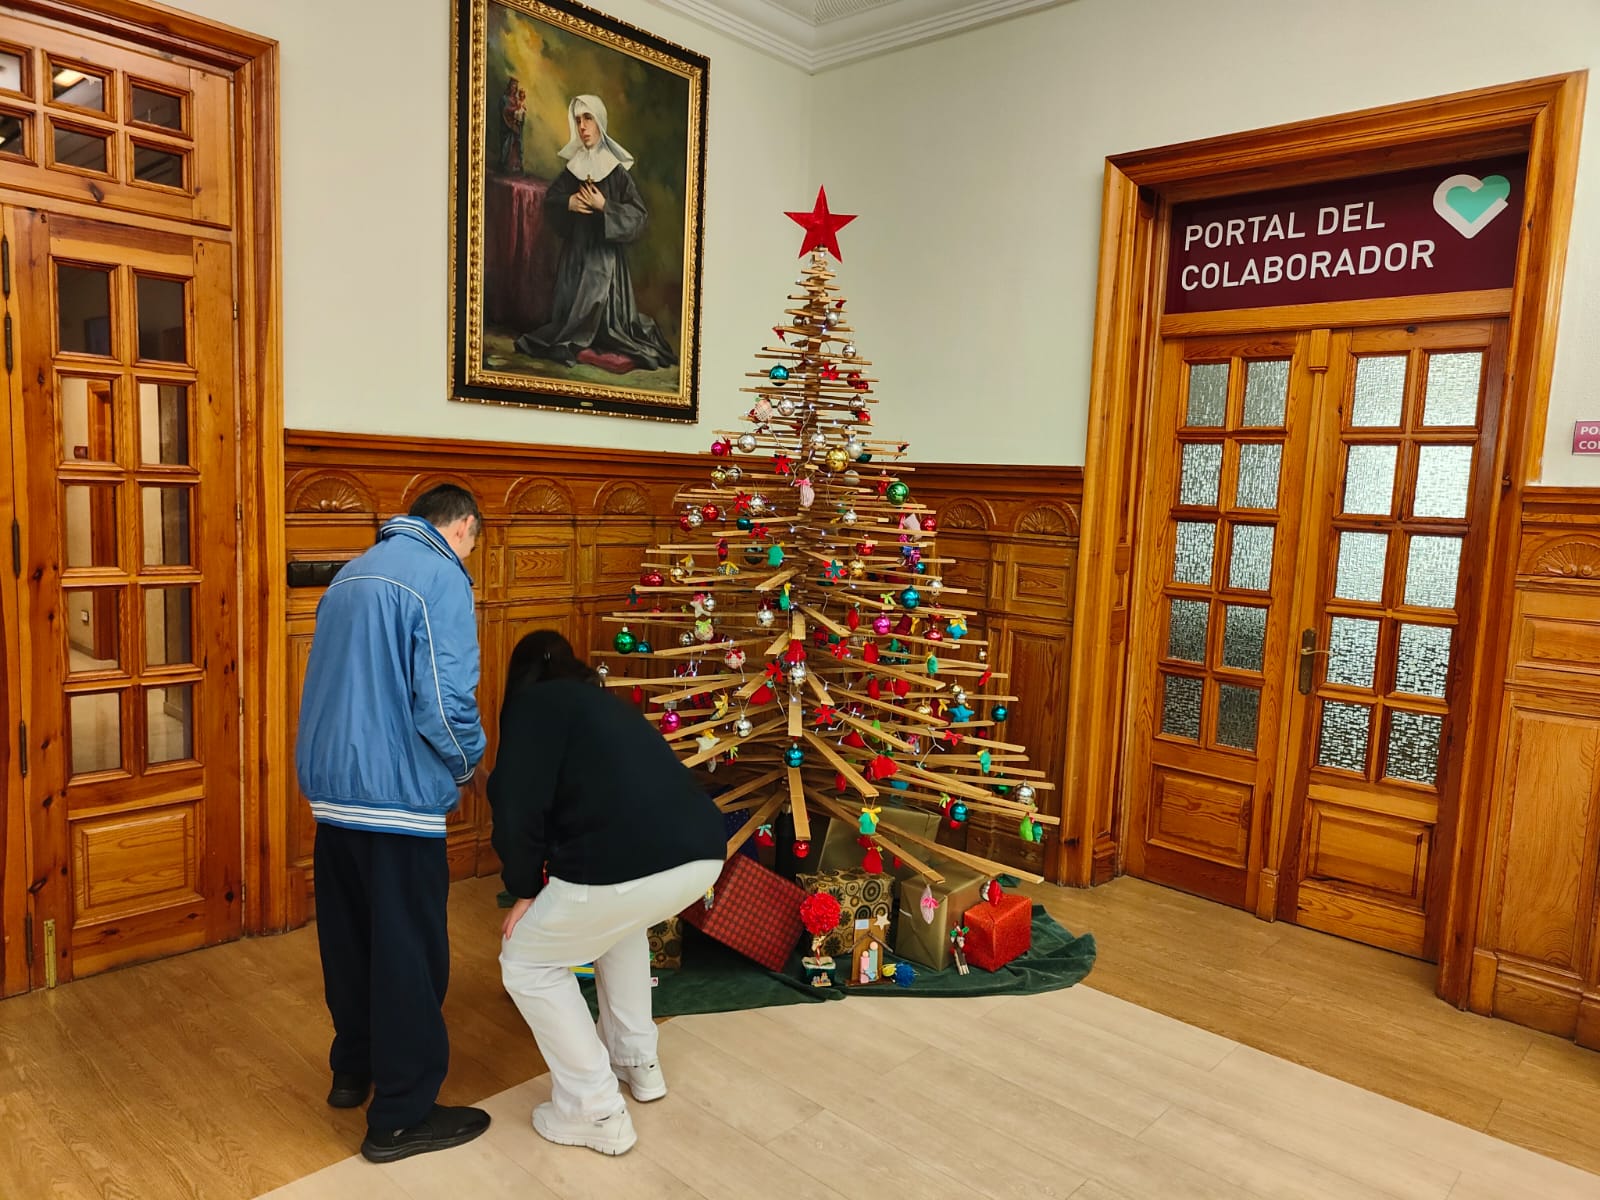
pixel 1586 437
pixel 1450 228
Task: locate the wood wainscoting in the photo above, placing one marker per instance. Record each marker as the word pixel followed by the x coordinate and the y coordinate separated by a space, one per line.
pixel 1537 956
pixel 565 529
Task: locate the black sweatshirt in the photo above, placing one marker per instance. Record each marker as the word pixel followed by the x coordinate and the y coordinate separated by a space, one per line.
pixel 583 782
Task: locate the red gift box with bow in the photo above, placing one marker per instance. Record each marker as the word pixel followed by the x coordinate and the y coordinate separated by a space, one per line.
pixel 998 933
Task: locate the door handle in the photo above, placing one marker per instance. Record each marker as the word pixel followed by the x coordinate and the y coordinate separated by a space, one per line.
pixel 1308 655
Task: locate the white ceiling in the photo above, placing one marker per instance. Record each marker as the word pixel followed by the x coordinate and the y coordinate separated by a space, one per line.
pixel 817 34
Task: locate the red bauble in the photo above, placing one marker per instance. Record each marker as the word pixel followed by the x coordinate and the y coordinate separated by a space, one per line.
pixel 651 579
pixel 710 512
pixel 872 861
pixel 929 523
pixel 683 523
pixel 853 618
pixel 802 849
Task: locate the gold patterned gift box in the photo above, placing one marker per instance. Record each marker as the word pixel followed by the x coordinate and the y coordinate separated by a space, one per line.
pixel 868 897
pixel 927 911
pixel 666 944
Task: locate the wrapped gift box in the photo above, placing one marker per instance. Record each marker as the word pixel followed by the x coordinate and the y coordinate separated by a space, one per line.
pixel 842 851
pixel 861 897
pixel 666 944
pixel 922 932
pixel 998 933
pixel 752 911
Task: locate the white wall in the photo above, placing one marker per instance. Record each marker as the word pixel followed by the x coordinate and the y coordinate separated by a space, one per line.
pixel 976 163
pixel 365 152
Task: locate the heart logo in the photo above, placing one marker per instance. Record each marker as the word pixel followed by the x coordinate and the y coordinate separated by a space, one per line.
pixel 1468 203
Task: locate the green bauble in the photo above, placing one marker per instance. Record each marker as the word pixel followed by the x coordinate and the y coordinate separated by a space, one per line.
pixel 898 492
pixel 624 641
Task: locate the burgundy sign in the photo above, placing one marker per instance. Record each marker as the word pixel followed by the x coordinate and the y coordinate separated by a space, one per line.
pixel 1586 437
pixel 1439 229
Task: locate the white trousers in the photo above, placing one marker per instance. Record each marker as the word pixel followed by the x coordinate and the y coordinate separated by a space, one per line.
pixel 607 924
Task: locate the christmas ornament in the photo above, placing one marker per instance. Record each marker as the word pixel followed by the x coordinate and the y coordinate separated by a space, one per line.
pixel 779 374
pixel 898 492
pixel 836 459
pixel 991 892
pixel 603 671
pixel 625 642
pixel 910 597
pixel 821 226
pixel 802 849
pixel 1025 793
pixel 794 756
pixel 721 447
pixel 904 974
pixel 695 518
pixel 670 722
pixel 764 618
pixel 764 837
pixel 710 512
pixel 1000 712
pixel 880 623
pixel 743 727
pixel 641 647
pixel 747 442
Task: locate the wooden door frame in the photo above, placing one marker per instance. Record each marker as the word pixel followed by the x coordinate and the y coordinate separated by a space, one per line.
pixel 1543 116
pixel 252 63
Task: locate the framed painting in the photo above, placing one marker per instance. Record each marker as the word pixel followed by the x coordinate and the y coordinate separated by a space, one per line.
pixel 577 210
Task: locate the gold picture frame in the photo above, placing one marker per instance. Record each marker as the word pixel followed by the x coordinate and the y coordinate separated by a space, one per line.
pixel 577 184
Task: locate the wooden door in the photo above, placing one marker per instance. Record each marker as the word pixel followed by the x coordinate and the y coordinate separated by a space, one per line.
pixel 1384 624
pixel 125 440
pixel 1211 609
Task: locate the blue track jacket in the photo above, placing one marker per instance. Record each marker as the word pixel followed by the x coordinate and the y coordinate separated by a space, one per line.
pixel 389 728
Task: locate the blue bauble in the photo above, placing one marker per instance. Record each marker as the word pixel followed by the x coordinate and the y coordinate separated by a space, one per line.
pixel 779 374
pixel 794 756
pixel 911 597
pixel 1001 712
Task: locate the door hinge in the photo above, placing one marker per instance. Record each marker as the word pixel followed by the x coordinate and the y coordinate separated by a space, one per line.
pixel 235 312
pixel 16 548
pixel 5 267
pixel 9 355
pixel 22 748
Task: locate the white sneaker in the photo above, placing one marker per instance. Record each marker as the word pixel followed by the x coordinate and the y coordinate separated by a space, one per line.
pixel 645 1082
pixel 610 1135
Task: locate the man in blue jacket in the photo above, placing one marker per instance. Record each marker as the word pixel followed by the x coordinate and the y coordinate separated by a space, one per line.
pixel 389 734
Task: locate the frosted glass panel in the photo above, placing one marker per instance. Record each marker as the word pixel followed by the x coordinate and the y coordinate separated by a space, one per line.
pixel 1369 479
pixel 1380 390
pixel 1452 394
pixel 1424 660
pixel 1258 475
pixel 1342 743
pixel 1202 467
pixel 1196 546
pixel 1180 707
pixel 1444 474
pixel 1244 637
pixel 1432 570
pixel 1237 709
pixel 94 729
pixel 1266 392
pixel 1208 394
pixel 1413 752
pixel 1186 631
pixel 1361 563
pixel 1250 564
pixel 1352 651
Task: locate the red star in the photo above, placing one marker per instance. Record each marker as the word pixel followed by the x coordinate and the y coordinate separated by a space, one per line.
pixel 821 226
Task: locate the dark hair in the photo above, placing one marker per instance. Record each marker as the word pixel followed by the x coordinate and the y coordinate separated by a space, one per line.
pixel 541 655
pixel 445 505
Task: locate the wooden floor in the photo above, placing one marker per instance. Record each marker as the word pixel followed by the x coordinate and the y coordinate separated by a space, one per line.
pixel 204 1075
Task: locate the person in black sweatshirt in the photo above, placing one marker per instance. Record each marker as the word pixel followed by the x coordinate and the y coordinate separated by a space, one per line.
pixel 585 788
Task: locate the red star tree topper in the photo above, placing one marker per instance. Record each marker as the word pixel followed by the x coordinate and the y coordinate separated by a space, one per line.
pixel 821 226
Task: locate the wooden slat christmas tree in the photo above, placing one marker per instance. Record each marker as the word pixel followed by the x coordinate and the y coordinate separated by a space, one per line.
pixel 797 638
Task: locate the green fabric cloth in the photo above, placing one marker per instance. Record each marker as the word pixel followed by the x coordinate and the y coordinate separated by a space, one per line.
pixel 716 979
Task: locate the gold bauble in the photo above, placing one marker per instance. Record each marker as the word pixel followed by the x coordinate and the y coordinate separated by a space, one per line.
pixel 837 460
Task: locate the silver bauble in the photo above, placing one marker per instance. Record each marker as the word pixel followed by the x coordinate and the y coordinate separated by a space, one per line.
pixel 695 519
pixel 686 638
pixel 764 617
pixel 747 442
pixel 743 727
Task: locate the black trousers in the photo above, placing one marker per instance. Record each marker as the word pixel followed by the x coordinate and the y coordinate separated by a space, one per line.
pixel 382 929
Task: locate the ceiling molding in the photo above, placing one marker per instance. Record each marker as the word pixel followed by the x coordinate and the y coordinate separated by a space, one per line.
pixel 878 28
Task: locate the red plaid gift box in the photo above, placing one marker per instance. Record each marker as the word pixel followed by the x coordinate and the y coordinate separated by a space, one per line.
pixel 752 911
pixel 998 933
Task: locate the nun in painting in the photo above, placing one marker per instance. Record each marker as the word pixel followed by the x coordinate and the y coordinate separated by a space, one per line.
pixel 596 210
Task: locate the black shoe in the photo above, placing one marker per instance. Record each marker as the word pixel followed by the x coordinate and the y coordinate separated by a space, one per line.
pixel 439 1130
pixel 349 1089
